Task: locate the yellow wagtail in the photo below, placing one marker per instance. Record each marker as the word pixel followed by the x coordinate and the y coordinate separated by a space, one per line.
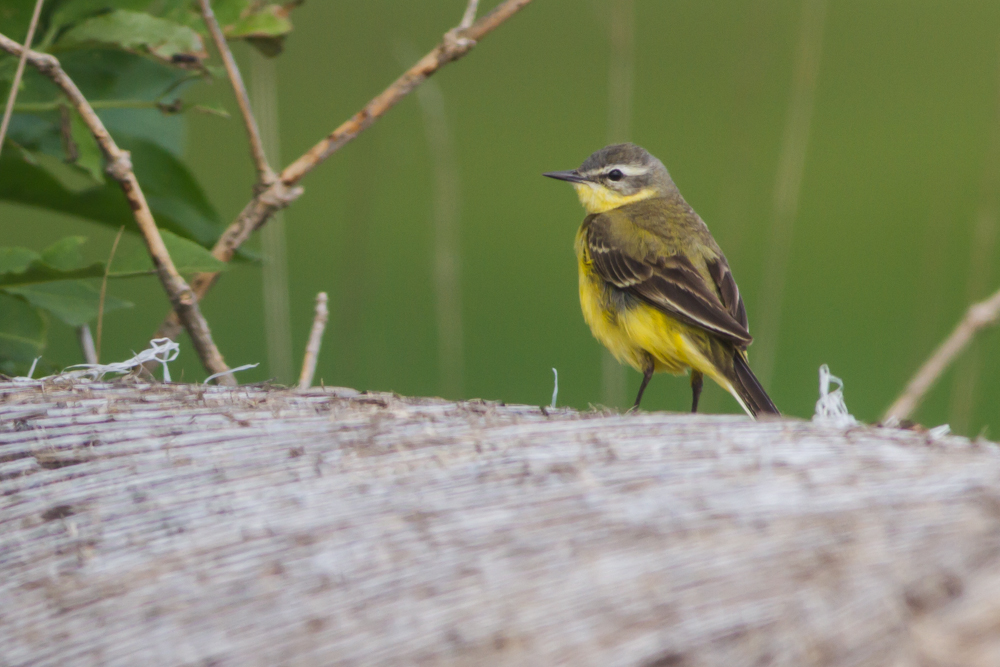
pixel 655 288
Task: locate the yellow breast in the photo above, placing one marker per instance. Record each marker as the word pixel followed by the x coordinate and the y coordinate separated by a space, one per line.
pixel 632 333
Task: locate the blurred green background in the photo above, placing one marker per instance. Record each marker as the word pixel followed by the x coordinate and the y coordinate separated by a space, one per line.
pixel 893 235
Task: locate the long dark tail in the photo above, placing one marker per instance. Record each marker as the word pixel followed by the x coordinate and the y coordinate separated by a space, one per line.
pixel 746 385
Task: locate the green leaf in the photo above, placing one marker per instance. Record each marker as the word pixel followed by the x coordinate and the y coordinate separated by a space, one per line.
pixel 65 253
pixel 15 15
pixel 263 24
pixel 107 78
pixel 72 301
pixel 174 195
pixel 138 32
pixel 61 261
pixel 270 21
pixel 188 257
pixel 16 260
pixel 228 12
pixel 69 176
pixel 88 154
pixel 72 11
pixel 177 201
pixel 22 334
pixel 106 74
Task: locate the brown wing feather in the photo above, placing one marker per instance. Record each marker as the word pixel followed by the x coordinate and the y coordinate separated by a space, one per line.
pixel 671 284
pixel 731 299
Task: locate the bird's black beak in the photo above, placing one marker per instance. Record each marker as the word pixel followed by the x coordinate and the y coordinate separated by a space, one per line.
pixel 572 176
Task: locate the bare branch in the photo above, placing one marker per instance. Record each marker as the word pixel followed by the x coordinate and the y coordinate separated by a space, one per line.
pixel 285 189
pixel 119 167
pixel 19 72
pixel 265 175
pixel 978 317
pixel 315 339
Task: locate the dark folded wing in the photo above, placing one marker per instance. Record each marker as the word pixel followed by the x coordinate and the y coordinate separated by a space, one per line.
pixel 671 284
pixel 731 299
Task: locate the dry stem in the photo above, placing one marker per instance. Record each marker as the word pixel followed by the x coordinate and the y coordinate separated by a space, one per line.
pixel 86 344
pixel 16 83
pixel 119 167
pixel 315 339
pixel 104 290
pixel 470 14
pixel 265 175
pixel 977 317
pixel 285 189
pixel 788 185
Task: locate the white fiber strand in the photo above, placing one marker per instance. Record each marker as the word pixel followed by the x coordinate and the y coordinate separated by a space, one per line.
pixel 830 407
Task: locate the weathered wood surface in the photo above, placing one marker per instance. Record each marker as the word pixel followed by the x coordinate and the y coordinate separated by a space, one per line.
pixel 179 525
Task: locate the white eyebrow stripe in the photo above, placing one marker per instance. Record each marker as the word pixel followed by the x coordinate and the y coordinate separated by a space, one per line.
pixel 627 169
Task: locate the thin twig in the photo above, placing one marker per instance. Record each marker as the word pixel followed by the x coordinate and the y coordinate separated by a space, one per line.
pixel 19 72
pixel 315 339
pixel 104 289
pixel 119 167
pixel 265 175
pixel 286 190
pixel 470 14
pixel 979 316
pixel 86 344
pixel 456 43
pixel 172 107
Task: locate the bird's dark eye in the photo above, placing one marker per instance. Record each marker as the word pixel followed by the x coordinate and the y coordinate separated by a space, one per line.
pixel 615 174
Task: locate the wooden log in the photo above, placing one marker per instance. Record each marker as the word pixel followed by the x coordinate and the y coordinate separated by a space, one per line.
pixel 189 525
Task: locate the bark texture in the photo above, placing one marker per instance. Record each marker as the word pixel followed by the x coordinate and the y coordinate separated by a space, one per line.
pixel 188 525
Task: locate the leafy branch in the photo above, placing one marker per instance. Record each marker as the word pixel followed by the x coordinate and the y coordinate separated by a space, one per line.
pixel 119 167
pixel 285 188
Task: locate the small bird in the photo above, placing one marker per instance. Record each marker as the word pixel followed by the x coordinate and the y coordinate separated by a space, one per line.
pixel 655 288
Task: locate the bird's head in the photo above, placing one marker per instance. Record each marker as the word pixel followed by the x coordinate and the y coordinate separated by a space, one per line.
pixel 617 175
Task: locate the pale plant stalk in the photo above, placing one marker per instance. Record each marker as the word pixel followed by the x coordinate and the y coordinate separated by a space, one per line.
pixel 788 186
pixel 19 72
pixel 86 344
pixel 315 340
pixel 470 14
pixel 733 223
pixel 978 317
pixel 963 393
pixel 447 247
pixel 274 274
pixel 104 291
pixel 621 70
pixel 756 47
pixel 119 167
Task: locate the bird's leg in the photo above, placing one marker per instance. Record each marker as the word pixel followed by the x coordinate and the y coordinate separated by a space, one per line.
pixel 647 374
pixel 697 379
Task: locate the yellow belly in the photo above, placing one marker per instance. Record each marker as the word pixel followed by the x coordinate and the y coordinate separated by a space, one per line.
pixel 633 333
